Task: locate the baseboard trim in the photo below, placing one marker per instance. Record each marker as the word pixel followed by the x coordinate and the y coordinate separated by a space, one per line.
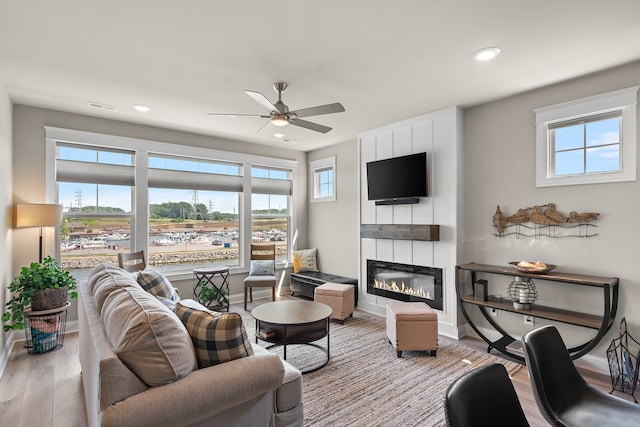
pixel 6 352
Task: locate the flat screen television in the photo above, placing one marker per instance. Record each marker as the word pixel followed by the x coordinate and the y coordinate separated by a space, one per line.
pixel 398 178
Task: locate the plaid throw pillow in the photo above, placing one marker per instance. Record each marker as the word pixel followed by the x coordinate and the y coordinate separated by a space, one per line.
pixel 217 337
pixel 158 285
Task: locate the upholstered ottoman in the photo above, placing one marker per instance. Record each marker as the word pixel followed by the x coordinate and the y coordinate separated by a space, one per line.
pixel 412 326
pixel 337 296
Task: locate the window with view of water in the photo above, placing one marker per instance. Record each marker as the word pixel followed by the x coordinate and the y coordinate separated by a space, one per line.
pixel 270 209
pixel 184 211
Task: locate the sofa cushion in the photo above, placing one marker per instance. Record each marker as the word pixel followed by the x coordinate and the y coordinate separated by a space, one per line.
pixel 105 279
pixel 147 336
pixel 305 260
pixel 216 337
pixel 289 394
pixel 157 284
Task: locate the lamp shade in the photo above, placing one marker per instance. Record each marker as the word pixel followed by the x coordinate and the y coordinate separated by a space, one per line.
pixel 38 215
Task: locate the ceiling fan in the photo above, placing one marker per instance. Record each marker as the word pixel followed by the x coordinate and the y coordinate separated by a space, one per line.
pixel 280 115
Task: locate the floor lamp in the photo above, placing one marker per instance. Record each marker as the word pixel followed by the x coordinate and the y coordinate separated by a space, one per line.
pixel 38 216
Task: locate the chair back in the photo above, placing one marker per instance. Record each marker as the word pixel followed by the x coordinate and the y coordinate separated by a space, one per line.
pixel 263 252
pixel 484 397
pixel 131 262
pixel 554 377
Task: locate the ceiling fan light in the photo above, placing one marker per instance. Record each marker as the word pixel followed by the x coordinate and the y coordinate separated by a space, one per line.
pixel 279 121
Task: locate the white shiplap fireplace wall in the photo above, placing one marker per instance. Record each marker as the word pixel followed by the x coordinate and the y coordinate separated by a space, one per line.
pixel 440 135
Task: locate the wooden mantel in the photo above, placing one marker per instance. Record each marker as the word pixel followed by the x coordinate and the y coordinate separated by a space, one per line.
pixel 400 232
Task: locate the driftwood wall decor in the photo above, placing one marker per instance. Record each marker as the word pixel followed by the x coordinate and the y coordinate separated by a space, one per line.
pixel 544 221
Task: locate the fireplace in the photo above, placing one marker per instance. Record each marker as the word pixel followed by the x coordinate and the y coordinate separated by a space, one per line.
pixel 404 282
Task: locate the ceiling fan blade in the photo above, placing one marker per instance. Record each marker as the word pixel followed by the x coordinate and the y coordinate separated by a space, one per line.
pixel 310 125
pixel 321 109
pixel 263 126
pixel 237 115
pixel 262 100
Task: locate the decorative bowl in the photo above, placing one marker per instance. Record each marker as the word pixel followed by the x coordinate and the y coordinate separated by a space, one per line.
pixel 536 269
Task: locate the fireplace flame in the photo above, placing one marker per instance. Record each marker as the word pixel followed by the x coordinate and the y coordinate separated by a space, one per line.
pixel 403 289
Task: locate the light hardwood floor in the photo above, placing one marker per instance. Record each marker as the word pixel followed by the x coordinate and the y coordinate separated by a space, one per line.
pixel 46 389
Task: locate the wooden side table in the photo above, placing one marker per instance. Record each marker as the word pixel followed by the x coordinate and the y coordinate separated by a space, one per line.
pixel 209 283
pixel 44 330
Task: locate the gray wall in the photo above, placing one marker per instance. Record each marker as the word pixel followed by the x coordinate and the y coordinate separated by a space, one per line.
pixel 500 170
pixel 6 217
pixel 333 226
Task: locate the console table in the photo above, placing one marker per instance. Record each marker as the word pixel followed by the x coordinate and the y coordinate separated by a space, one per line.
pixel 600 323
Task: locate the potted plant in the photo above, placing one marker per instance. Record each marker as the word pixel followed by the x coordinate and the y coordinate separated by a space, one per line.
pixel 45 280
pixel 213 297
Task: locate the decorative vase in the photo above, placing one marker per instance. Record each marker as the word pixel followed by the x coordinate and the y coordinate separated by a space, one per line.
pixel 48 299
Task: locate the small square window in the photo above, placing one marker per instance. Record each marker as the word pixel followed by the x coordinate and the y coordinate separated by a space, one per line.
pixel 323 177
pixel 590 140
pixel 588 145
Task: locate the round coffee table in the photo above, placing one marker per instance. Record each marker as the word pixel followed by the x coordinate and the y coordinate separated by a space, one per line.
pixel 293 322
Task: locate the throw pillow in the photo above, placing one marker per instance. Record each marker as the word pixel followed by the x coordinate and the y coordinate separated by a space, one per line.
pixel 147 337
pixel 156 284
pixel 217 337
pixel 262 268
pixel 305 260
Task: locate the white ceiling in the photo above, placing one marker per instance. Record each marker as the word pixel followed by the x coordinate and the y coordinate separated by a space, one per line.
pixel 385 61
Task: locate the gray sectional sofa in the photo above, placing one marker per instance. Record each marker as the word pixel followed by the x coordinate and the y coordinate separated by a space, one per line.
pixel 131 386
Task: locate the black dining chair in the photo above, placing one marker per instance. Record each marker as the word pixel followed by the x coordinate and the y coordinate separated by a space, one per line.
pixel 563 397
pixel 484 397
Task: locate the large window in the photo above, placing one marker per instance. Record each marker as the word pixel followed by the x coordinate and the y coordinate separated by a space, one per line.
pixel 183 206
pixel 590 140
pixel 270 209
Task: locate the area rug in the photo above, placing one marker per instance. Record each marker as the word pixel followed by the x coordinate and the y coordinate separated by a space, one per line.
pixel 366 384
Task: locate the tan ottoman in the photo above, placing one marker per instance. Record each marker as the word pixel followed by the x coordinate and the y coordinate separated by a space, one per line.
pixel 412 326
pixel 337 296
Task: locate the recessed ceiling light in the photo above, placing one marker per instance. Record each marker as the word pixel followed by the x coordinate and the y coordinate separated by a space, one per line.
pixel 486 53
pixel 141 108
pixel 278 135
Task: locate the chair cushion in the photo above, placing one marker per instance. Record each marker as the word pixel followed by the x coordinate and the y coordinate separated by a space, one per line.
pixel 157 284
pixel 147 336
pixel 305 260
pixel 260 281
pixel 216 337
pixel 262 268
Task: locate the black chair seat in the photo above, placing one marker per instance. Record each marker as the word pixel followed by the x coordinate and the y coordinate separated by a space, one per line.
pixel 593 407
pixel 484 397
pixel 563 397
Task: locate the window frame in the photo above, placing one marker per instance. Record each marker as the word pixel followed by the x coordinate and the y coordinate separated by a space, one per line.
pixel 141 170
pixel 623 101
pixel 316 167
